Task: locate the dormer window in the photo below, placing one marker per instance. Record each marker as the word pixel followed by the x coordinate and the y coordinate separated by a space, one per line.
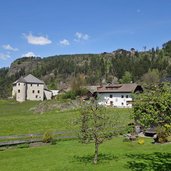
pixel 37 85
pixel 111 96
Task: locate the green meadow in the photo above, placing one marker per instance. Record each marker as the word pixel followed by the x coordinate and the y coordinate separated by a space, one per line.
pixel 115 155
pixel 19 118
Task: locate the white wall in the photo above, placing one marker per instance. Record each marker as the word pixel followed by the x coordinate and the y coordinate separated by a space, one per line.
pixel 54 92
pixel 48 95
pixel 117 100
pixel 20 92
pixel 35 92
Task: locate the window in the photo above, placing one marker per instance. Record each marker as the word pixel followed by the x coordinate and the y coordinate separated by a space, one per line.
pixel 122 96
pixel 38 91
pixel 31 85
pixel 18 84
pixel 111 103
pixel 37 84
pixel 126 96
pixel 122 104
pixel 36 96
pixel 18 90
pixel 111 95
pixel 32 91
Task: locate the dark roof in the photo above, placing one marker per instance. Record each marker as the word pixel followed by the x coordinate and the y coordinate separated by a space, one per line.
pixel 117 88
pixel 21 80
pixel 32 79
pixel 29 79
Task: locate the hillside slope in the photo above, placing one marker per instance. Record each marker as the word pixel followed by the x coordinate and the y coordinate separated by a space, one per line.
pixel 60 70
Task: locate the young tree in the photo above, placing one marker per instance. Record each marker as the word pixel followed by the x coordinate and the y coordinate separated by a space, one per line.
pixel 153 107
pixel 151 77
pixel 96 126
pixel 126 78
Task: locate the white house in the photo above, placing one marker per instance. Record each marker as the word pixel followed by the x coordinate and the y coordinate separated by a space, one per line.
pixel 117 95
pixel 55 92
pixel 30 88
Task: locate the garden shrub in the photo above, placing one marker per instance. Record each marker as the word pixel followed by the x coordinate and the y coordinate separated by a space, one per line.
pixel 162 134
pixel 141 141
pixel 47 137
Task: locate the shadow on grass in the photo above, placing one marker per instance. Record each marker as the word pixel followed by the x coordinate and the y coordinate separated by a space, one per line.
pixel 101 158
pixel 157 161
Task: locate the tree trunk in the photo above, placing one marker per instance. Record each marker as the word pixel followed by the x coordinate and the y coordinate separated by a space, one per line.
pixel 96 153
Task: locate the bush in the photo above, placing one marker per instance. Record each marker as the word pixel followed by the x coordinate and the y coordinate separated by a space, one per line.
pixel 53 142
pixel 141 141
pixel 72 94
pixel 169 138
pixel 162 134
pixel 47 137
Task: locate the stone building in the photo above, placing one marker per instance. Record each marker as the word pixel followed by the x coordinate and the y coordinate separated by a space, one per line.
pixel 30 88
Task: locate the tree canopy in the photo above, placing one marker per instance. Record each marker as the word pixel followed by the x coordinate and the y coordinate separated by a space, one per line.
pixel 153 107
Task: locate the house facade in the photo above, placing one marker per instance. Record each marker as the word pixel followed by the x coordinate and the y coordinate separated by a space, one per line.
pixel 30 88
pixel 117 95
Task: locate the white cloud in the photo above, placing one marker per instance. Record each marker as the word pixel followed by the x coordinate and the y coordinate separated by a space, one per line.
pixel 4 56
pixel 81 36
pixel 64 42
pixel 29 54
pixel 37 40
pixel 138 11
pixel 9 47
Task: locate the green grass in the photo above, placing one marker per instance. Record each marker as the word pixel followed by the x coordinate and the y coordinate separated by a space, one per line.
pixel 71 155
pixel 18 118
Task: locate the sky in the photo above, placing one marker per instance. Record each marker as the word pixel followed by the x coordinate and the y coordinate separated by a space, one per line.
pixel 53 27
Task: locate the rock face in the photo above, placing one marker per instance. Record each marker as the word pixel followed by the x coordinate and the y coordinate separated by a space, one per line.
pixel 24 65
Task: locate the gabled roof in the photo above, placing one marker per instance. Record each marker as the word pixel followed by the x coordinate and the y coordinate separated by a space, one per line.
pixel 32 79
pixel 29 79
pixel 21 80
pixel 118 88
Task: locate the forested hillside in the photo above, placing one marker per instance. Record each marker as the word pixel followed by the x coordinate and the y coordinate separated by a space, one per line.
pixel 118 66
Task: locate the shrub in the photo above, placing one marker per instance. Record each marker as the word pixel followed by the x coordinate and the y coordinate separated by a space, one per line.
pixel 73 94
pixel 169 138
pixel 141 141
pixel 54 141
pixel 47 137
pixel 162 134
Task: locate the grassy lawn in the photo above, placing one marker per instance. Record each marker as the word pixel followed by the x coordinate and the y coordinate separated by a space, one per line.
pixel 116 155
pixel 18 118
pixel 71 155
